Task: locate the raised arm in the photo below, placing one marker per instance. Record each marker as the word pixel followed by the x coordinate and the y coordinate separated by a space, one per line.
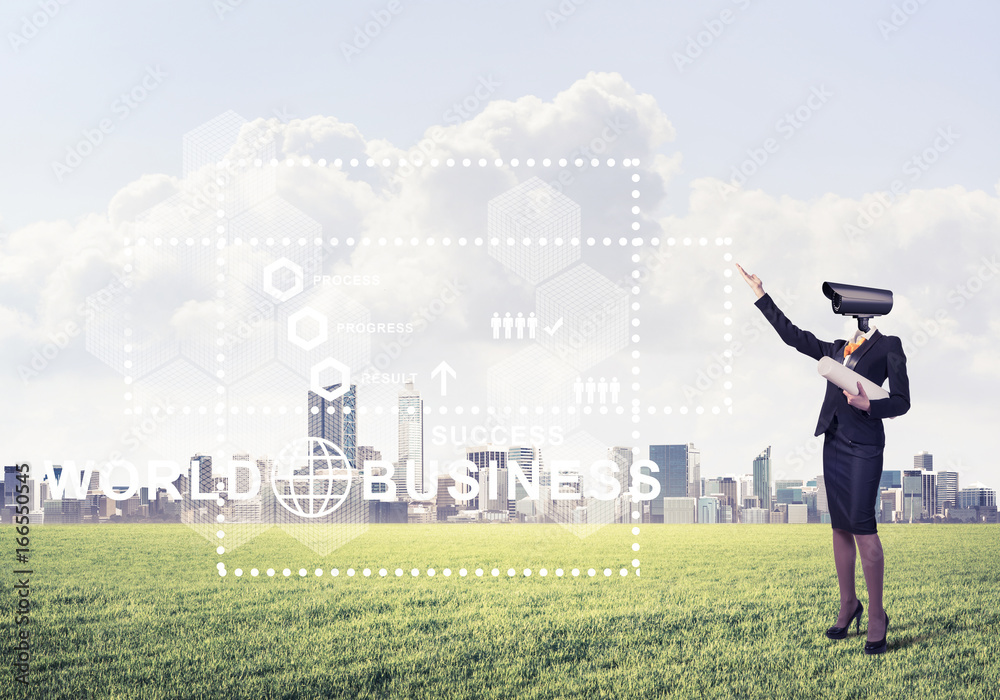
pixel 803 341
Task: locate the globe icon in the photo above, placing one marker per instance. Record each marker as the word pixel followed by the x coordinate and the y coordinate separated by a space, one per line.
pixel 311 477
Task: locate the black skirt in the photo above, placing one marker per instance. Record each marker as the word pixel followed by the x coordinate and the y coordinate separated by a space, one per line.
pixel 851 473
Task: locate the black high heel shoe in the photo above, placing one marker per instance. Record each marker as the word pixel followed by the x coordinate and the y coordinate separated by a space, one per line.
pixel 879 646
pixel 841 632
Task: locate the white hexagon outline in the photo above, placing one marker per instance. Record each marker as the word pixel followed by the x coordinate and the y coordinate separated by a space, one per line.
pixel 345 379
pixel 269 281
pixel 293 333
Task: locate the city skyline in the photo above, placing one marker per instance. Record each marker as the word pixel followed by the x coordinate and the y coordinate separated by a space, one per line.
pixel 904 495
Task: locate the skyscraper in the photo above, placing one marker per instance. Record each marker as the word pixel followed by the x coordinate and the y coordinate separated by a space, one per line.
pixel 891 479
pixel 9 491
pixel 411 438
pixel 913 494
pixel 947 491
pixel 673 476
pixel 525 458
pixel 822 506
pixel 202 466
pixel 198 511
pixel 923 461
pixel 482 457
pixel 929 507
pixel 445 502
pixel 623 458
pixel 762 478
pixel 367 453
pixel 694 471
pixel 336 421
pixel 727 487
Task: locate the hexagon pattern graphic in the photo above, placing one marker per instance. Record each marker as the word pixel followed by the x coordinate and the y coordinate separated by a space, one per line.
pixel 187 397
pixel 585 515
pixel 283 292
pixel 245 340
pixel 347 339
pixel 209 143
pixel 271 248
pixel 224 333
pixel 532 378
pixel 534 223
pixel 330 372
pixel 268 408
pixel 594 313
pixel 307 340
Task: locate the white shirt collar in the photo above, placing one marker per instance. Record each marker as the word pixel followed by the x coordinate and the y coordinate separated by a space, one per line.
pixel 858 335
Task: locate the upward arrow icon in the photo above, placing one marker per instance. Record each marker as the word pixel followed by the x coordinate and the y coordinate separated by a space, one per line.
pixel 444 369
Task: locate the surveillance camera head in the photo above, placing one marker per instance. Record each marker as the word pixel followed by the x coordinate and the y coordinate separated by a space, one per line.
pixel 860 302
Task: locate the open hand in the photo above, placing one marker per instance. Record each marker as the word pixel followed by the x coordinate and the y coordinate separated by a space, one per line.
pixel 860 400
pixel 753 280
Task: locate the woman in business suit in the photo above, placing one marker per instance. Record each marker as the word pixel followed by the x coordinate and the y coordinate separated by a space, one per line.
pixel 852 456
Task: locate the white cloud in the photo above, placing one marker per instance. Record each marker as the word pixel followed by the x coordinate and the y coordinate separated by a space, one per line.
pixel 927 247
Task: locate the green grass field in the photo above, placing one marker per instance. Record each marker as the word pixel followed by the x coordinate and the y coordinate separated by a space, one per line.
pixel 139 611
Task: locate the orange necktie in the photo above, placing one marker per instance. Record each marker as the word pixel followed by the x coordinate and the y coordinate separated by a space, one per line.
pixel 851 347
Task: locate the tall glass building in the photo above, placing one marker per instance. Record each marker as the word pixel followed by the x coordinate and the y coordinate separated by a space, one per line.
pixel 674 476
pixel 483 457
pixel 411 439
pixel 930 495
pixel 947 491
pixel 336 421
pixel 891 479
pixel 913 494
pixel 762 479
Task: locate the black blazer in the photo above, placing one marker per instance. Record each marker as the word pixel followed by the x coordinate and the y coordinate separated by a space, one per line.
pixel 878 358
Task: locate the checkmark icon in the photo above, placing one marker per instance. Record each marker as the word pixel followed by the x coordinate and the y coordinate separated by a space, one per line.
pixel 555 327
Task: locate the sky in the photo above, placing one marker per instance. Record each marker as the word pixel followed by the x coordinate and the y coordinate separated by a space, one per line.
pixel 853 142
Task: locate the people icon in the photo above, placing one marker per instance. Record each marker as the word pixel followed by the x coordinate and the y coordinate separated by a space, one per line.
pixel 519 324
pixel 512 325
pixel 602 391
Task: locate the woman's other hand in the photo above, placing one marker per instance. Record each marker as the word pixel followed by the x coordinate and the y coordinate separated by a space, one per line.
pixel 860 400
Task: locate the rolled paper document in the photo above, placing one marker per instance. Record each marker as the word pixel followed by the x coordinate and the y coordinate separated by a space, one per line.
pixel 847 379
